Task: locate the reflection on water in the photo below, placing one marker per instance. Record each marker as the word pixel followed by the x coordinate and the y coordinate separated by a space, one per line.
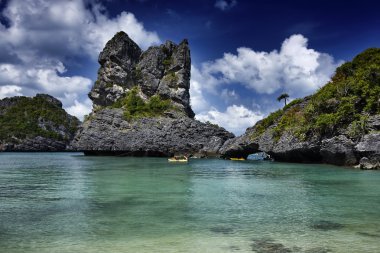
pixel 62 202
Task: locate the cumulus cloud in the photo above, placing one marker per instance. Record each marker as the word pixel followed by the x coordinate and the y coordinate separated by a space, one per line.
pixel 9 91
pixel 236 118
pixel 41 37
pixel 295 69
pixel 79 109
pixel 225 5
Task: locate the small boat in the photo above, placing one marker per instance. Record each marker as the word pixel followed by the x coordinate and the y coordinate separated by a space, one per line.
pixel 237 159
pixel 178 159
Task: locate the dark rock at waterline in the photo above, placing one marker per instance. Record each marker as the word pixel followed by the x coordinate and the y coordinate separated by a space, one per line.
pixel 326 225
pixel 34 144
pixel 369 149
pixel 338 150
pixel 109 134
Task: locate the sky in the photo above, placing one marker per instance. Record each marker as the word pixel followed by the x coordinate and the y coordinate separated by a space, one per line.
pixel 244 53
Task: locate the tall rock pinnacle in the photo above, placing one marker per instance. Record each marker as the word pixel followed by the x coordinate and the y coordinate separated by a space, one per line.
pixel 141 104
pixel 160 70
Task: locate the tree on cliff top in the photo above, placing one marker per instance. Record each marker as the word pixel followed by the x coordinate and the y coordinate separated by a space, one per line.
pixel 283 96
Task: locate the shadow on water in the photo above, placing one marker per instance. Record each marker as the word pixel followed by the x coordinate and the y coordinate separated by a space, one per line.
pixel 268 245
pixel 326 225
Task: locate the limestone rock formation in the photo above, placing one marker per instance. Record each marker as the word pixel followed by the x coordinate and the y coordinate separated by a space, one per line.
pixel 141 104
pixel 162 70
pixel 35 124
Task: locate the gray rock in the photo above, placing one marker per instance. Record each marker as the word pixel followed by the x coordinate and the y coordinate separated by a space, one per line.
pixel 34 144
pixel 290 149
pixel 117 67
pixel 373 123
pixel 160 70
pixel 338 150
pixel 367 164
pixel 239 147
pixel 108 133
pixel 50 99
pixel 369 149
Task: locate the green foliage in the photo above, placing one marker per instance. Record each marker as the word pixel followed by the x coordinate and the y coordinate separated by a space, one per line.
pixel 343 103
pixel 135 107
pixel 262 125
pixel 325 123
pixel 167 62
pixel 358 127
pixel 137 73
pixel 22 119
pixel 294 102
pixel 109 85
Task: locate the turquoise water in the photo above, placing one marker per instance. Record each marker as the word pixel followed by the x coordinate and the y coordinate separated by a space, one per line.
pixel 66 202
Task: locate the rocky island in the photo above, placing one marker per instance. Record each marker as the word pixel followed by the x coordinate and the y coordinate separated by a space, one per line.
pixel 141 104
pixel 141 107
pixel 35 124
pixel 339 124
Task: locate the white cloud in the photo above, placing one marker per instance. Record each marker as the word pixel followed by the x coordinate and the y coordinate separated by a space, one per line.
pixel 65 27
pixel 229 95
pixel 79 109
pixel 43 36
pixel 9 91
pixel 197 99
pixel 295 69
pixel 225 4
pixel 30 80
pixel 236 118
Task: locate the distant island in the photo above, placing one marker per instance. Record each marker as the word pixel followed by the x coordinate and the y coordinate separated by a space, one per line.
pixel 141 107
pixel 35 124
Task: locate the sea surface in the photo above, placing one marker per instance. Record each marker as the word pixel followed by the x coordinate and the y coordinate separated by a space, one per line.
pixel 67 202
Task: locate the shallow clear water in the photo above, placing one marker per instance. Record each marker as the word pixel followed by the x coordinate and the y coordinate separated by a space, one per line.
pixel 65 202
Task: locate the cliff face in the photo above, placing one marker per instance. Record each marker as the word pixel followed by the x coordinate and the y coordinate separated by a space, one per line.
pixel 339 124
pixel 35 124
pixel 141 104
pixel 161 70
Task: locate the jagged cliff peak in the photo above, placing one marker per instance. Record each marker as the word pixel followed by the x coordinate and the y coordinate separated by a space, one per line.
pixel 142 104
pixel 162 70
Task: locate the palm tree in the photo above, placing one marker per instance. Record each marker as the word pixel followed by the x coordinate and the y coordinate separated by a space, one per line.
pixel 283 96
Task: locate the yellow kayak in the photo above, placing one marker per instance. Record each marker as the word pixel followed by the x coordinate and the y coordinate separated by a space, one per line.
pixel 178 159
pixel 237 159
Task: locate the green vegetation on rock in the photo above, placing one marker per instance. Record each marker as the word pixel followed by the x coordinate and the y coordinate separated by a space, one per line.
pixel 344 103
pixel 26 117
pixel 135 107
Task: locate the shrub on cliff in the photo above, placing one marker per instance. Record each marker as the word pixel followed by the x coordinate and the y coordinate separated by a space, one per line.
pixel 135 107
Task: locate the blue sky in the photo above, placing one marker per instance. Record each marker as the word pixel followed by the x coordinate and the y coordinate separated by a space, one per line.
pixel 244 53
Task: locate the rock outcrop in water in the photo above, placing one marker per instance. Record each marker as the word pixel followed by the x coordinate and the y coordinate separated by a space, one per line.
pixel 340 124
pixel 141 104
pixel 35 124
